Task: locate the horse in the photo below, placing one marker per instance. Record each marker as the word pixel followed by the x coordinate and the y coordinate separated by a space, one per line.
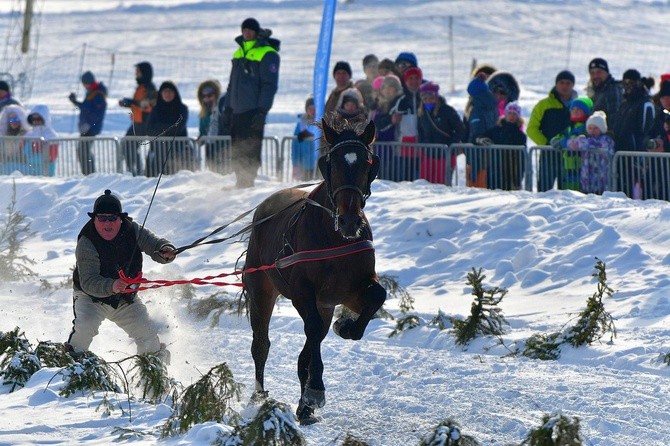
pixel 320 244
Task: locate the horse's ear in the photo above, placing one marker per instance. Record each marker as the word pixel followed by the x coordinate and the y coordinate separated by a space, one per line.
pixel 323 167
pixel 328 132
pixel 374 170
pixel 369 133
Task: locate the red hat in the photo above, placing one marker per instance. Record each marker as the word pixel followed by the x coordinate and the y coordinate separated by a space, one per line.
pixel 412 71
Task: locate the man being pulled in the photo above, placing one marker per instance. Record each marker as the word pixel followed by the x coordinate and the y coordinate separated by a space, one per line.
pixel 108 242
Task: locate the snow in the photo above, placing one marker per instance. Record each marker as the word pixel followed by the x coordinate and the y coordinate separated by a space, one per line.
pixel 386 391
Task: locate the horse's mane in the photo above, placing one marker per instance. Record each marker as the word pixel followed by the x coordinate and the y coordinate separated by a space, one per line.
pixel 340 124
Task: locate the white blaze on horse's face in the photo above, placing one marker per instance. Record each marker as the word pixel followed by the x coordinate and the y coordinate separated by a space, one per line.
pixel 351 158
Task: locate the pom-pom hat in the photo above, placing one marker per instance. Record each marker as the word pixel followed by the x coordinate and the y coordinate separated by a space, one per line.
pixel 599 119
pixel 107 203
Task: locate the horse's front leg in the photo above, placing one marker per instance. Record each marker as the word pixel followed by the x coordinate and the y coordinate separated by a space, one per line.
pixel 310 365
pixel 371 300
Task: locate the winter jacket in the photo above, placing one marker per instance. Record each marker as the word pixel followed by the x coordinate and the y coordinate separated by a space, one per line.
pixel 165 114
pixel 254 77
pixel 484 109
pixel 11 152
pixel 41 157
pixel 606 97
pixel 572 161
pixel 596 153
pixel 98 261
pixel 633 124
pixel 144 97
pixel 205 115
pixel 304 153
pixel 440 126
pixel 92 109
pixel 549 117
pixel 407 105
pixel 382 117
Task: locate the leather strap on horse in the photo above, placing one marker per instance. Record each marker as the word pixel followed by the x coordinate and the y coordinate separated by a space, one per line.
pixel 139 283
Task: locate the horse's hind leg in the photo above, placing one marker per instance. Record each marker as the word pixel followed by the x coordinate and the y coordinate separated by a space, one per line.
pixel 371 300
pixel 262 299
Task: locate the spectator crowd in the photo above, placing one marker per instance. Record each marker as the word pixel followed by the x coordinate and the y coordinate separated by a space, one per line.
pixel 578 133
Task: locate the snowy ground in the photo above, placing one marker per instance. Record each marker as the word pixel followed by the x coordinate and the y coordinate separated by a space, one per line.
pixel 387 391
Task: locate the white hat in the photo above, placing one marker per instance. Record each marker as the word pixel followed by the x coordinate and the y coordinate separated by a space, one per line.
pixel 599 119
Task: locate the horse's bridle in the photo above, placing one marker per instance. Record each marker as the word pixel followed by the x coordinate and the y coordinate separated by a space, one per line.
pixel 333 193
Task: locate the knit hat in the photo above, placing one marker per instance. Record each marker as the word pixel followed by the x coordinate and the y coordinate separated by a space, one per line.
pixel 665 89
pixel 599 62
pixel 599 119
pixel 513 107
pixel 107 204
pixel 412 71
pixel 377 83
pixel 87 78
pixel 429 88
pixel 4 86
pixel 342 65
pixel 565 75
pixel 393 81
pixel 251 24
pixel 407 57
pixel 584 103
pixel 632 74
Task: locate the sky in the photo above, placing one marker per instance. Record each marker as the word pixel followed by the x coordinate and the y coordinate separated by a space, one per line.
pixel 541 247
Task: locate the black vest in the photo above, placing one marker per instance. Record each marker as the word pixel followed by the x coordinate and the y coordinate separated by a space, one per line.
pixel 114 255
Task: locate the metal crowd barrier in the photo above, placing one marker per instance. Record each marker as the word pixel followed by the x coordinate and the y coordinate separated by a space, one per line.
pixel 643 175
pixel 495 166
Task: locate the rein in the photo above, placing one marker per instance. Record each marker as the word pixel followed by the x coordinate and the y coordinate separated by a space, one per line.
pixel 285 262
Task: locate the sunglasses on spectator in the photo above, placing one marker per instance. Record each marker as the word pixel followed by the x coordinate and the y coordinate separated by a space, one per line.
pixel 103 218
pixel 403 64
pixel 12 120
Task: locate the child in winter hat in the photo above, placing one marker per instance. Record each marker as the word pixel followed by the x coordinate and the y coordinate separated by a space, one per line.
pixel 596 148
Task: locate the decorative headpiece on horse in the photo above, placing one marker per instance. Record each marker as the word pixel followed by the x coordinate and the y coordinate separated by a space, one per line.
pixel 349 139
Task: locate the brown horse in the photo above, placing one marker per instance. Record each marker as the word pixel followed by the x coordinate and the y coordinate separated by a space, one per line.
pixel 322 245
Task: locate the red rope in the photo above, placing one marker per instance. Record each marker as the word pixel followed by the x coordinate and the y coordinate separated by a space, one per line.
pixel 298 257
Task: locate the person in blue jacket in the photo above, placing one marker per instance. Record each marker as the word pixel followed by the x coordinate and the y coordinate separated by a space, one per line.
pixel 91 115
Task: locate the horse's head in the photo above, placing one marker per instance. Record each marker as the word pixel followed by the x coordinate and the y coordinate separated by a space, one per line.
pixel 348 168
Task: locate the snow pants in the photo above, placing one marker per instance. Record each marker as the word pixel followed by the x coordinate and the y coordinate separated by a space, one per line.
pixel 132 318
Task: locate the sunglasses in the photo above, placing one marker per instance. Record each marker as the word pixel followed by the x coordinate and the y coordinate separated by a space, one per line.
pixel 13 120
pixel 103 218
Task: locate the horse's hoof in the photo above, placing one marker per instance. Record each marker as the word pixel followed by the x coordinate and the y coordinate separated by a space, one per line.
pixel 306 415
pixel 259 396
pixel 342 327
pixel 313 398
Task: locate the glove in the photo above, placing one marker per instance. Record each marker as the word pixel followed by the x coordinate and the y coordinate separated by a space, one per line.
pixel 484 141
pixel 258 121
pixel 73 98
pixel 125 102
pixel 650 144
pixel 305 134
pixel 167 252
pixel 555 142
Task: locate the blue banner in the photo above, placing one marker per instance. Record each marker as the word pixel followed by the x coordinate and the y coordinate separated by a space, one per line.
pixel 322 60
